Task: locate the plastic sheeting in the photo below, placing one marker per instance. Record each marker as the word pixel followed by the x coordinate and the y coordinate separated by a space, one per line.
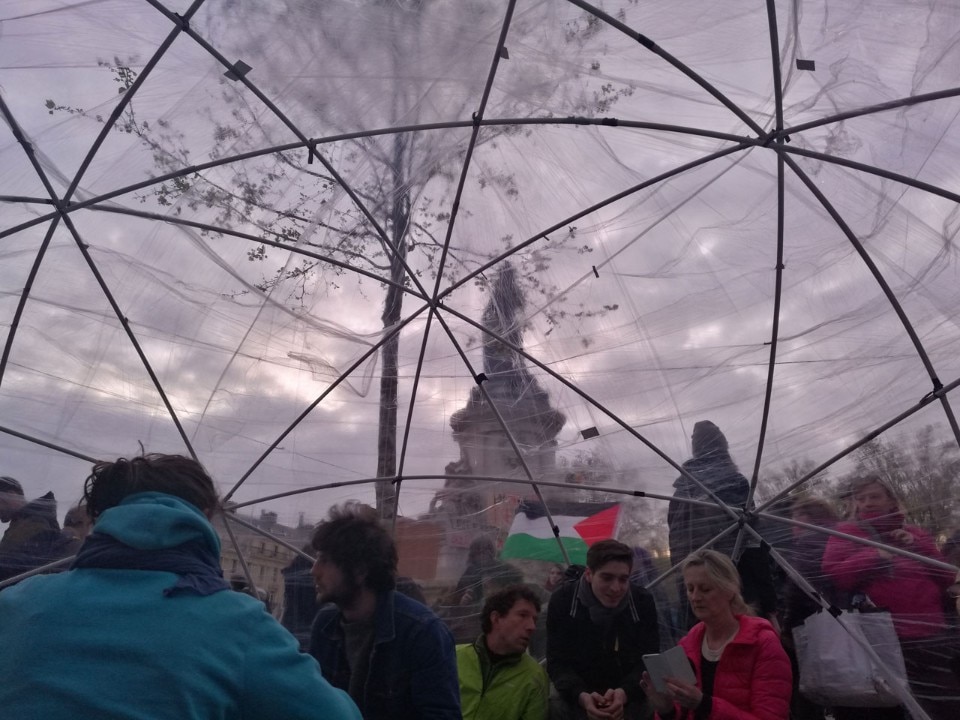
pixel 220 219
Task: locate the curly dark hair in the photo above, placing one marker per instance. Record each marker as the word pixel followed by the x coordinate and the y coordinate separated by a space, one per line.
pixel 111 481
pixel 503 601
pixel 354 540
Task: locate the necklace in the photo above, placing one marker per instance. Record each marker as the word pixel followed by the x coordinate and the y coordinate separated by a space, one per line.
pixel 713 655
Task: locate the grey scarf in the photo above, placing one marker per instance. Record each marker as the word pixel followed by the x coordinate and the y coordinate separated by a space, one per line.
pixel 599 613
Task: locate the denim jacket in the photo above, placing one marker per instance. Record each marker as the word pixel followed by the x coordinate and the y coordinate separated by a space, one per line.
pixel 413 669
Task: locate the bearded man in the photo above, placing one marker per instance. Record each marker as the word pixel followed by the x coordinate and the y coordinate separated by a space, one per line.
pixel 391 653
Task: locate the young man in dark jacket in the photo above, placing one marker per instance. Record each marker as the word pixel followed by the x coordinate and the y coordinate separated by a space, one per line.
pixel 390 653
pixel 598 629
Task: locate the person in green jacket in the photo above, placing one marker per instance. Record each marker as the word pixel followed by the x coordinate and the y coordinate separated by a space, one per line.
pixel 498 679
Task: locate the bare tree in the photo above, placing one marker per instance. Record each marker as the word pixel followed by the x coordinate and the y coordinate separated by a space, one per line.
pixel 772 483
pixel 390 215
pixel 921 469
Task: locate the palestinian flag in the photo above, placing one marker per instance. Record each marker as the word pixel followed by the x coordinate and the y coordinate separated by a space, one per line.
pixel 580 524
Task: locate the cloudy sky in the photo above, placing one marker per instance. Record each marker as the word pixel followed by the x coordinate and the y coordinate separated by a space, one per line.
pixel 650 301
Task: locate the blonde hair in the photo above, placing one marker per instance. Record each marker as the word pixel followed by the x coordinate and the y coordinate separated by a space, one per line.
pixel 721 570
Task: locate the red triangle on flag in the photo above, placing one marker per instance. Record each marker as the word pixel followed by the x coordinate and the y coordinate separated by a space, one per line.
pixel 598 527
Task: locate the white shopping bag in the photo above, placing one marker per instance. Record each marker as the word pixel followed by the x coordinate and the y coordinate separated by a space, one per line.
pixel 837 666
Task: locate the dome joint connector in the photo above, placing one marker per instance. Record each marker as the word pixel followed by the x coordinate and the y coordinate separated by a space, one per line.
pixel 933 394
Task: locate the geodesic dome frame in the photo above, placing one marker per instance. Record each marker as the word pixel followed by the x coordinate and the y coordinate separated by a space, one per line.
pixel 746 213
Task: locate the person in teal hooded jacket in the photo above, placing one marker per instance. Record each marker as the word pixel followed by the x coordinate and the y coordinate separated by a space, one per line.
pixel 143 624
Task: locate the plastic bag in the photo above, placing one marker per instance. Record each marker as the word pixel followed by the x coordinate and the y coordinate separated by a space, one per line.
pixel 836 666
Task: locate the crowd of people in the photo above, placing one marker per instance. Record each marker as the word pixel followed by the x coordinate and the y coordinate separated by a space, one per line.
pixel 33 537
pixel 143 624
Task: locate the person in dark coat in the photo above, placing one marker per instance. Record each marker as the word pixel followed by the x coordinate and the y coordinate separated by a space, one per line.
pixel 644 572
pixel 692 526
pixel 392 654
pixel 299 597
pixel 598 630
pixel 481 556
pixel 33 537
pixel 805 554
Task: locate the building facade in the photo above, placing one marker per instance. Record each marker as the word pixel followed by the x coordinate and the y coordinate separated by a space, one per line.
pixel 264 555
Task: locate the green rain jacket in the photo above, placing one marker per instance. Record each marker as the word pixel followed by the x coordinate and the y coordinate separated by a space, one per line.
pixel 512 688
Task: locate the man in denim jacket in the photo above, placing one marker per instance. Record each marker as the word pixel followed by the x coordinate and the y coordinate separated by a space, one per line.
pixel 390 653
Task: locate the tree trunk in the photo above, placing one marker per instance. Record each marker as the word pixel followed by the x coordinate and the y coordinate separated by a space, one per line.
pixel 392 307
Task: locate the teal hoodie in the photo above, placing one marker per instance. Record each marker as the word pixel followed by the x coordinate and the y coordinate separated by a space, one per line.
pixel 109 644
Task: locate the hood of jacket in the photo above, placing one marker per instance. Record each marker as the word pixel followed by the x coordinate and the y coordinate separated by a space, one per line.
pixel 42 509
pixel 155 521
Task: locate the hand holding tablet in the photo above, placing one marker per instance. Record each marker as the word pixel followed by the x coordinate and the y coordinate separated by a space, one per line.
pixel 670 664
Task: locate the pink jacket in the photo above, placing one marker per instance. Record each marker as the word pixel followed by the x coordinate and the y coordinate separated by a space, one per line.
pixel 753 679
pixel 912 591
